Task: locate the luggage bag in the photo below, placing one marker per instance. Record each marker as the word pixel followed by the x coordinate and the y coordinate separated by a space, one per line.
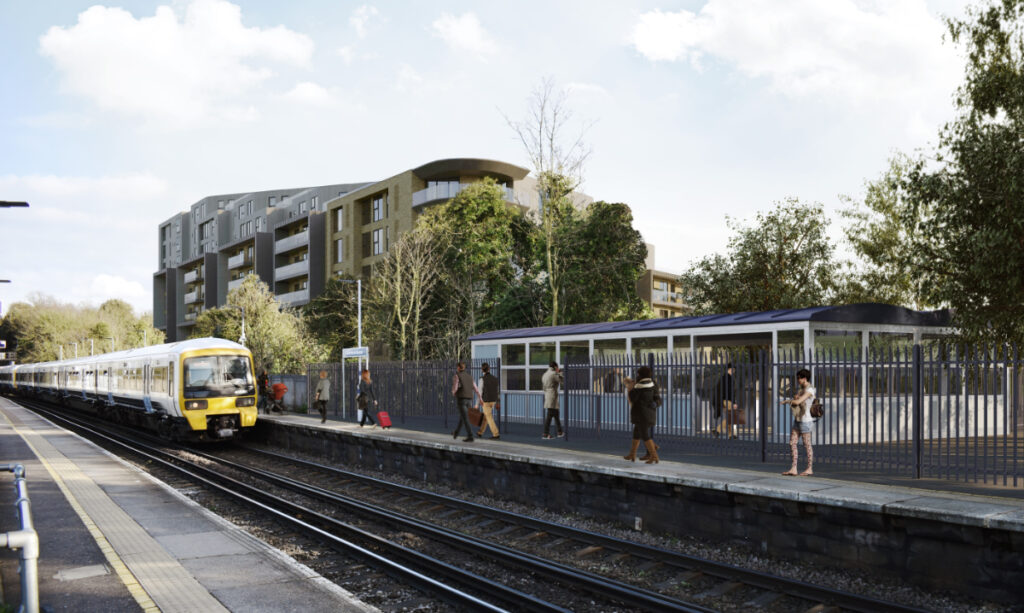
pixel 384 419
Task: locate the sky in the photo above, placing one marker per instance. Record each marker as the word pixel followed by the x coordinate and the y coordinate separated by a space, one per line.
pixel 114 117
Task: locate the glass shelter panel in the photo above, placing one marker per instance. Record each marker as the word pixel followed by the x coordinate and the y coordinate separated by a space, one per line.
pixel 541 354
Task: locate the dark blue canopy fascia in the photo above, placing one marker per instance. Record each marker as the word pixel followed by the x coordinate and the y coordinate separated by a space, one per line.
pixel 868 313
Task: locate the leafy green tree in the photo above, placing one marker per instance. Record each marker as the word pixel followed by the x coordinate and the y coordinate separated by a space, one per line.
pixel 604 257
pixel 276 337
pixel 332 317
pixel 883 240
pixel 966 203
pixel 781 260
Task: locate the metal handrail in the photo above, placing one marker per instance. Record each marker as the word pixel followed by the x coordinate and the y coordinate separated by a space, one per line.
pixel 26 540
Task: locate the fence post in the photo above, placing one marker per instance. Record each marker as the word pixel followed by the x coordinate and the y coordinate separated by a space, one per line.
pixel 766 402
pixel 565 395
pixel 918 408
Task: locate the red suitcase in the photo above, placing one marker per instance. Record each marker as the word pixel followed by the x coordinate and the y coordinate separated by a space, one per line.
pixel 384 419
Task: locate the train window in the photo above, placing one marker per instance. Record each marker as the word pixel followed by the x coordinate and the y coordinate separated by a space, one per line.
pixel 210 376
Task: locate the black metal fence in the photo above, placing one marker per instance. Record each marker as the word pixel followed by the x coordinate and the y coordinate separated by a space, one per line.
pixel 938 411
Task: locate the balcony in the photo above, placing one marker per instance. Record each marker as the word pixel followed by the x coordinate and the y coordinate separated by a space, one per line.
pixel 191 316
pixel 191 276
pixel 292 242
pixel 291 270
pixel 667 297
pixel 235 283
pixel 294 298
pixel 192 297
pixel 236 261
pixel 447 191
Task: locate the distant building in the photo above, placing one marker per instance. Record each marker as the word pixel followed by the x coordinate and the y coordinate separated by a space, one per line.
pixel 294 239
pixel 661 290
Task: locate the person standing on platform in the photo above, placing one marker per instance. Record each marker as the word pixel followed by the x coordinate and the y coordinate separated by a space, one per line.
pixel 489 395
pixel 644 401
pixel 551 381
pixel 803 423
pixel 322 395
pixel 365 394
pixel 725 404
pixel 463 388
pixel 263 384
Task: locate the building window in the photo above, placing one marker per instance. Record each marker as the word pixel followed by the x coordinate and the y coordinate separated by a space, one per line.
pixel 378 241
pixel 314 202
pixel 378 208
pixel 302 207
pixel 339 251
pixel 272 201
pixel 339 219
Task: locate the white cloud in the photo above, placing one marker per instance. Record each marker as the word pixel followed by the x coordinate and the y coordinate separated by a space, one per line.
pixel 164 68
pixel 586 90
pixel 126 187
pixel 103 287
pixel 310 94
pixel 464 33
pixel 347 54
pixel 853 49
pixel 408 81
pixel 361 17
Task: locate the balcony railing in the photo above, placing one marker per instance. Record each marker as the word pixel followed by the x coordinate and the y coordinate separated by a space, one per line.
pixel 191 316
pixel 447 191
pixel 235 283
pixel 291 270
pixel 667 297
pixel 293 298
pixel 191 276
pixel 236 260
pixel 192 297
pixel 296 240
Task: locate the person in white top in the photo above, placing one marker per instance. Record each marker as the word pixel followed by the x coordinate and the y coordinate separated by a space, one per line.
pixel 803 423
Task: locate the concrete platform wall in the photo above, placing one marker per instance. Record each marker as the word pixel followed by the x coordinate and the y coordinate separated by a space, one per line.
pixel 972 559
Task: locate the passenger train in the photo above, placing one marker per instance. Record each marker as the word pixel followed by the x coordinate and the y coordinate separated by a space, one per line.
pixel 195 390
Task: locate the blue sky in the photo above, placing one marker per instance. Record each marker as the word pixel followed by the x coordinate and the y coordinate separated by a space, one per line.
pixel 115 116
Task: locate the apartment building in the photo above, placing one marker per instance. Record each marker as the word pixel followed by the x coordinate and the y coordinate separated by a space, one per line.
pixel 294 239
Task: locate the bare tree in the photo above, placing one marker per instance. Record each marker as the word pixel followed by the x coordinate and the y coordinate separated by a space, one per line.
pixel 402 286
pixel 557 160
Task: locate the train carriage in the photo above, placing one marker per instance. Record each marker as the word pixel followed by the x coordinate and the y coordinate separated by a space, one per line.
pixel 197 390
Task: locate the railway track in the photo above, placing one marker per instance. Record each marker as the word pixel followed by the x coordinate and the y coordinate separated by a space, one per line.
pixel 671 581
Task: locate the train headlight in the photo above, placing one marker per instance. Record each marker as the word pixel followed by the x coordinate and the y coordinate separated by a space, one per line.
pixel 245 402
pixel 195 405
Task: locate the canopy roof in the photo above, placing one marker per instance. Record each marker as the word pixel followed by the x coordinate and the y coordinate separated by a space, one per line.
pixel 868 313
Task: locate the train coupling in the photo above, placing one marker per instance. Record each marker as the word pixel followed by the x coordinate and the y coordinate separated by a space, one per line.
pixel 223 426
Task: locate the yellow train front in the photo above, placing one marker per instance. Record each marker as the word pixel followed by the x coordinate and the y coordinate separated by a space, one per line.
pixel 195 390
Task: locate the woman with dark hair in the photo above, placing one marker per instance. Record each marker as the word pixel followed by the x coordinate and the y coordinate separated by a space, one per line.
pixel 803 423
pixel 365 394
pixel 644 401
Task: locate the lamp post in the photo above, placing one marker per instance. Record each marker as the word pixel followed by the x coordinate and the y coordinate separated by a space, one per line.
pixel 359 310
pixel 241 339
pixel 111 339
pixel 92 347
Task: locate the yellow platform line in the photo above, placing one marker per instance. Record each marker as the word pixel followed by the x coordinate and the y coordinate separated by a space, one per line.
pixel 126 576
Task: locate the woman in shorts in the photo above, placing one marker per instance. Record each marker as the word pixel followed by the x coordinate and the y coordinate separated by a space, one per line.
pixel 803 423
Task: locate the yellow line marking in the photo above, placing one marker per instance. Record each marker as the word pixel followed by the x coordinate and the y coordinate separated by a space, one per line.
pixel 126 576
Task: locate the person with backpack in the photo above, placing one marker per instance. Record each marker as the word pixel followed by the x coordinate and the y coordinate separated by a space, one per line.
pixel 489 390
pixel 803 422
pixel 644 401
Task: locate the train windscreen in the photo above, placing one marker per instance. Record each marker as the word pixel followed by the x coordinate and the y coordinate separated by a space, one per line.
pixel 218 375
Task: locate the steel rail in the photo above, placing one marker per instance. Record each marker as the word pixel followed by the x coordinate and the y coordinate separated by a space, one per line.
pixel 759 579
pixel 269 504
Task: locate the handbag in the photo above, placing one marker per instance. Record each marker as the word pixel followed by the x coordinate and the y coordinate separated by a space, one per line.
pixel 737 417
pixel 817 409
pixel 475 416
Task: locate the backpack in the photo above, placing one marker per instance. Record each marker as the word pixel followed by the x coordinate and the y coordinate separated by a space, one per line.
pixel 817 409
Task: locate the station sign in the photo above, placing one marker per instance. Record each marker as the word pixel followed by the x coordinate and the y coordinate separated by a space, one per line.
pixel 3 344
pixel 355 352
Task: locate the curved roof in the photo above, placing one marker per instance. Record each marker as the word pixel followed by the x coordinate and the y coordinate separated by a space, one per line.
pixel 867 313
pixel 443 169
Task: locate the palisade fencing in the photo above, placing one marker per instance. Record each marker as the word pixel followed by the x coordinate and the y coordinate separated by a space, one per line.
pixel 937 411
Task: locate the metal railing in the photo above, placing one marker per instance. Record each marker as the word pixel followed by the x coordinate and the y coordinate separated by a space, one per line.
pixel 25 540
pixel 920 411
pixel 292 242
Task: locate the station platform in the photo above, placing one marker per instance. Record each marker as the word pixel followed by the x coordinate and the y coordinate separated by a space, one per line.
pixel 114 539
pixel 942 538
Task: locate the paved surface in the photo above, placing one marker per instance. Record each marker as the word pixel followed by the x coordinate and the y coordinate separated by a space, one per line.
pixel 114 539
pixel 993 507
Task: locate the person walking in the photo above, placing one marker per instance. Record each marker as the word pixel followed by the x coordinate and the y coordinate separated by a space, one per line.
pixel 725 404
pixel 644 401
pixel 365 394
pixel 551 381
pixel 322 395
pixel 489 395
pixel 803 423
pixel 463 388
pixel 263 385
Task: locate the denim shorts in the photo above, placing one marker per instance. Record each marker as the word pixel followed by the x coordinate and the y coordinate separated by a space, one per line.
pixel 803 427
